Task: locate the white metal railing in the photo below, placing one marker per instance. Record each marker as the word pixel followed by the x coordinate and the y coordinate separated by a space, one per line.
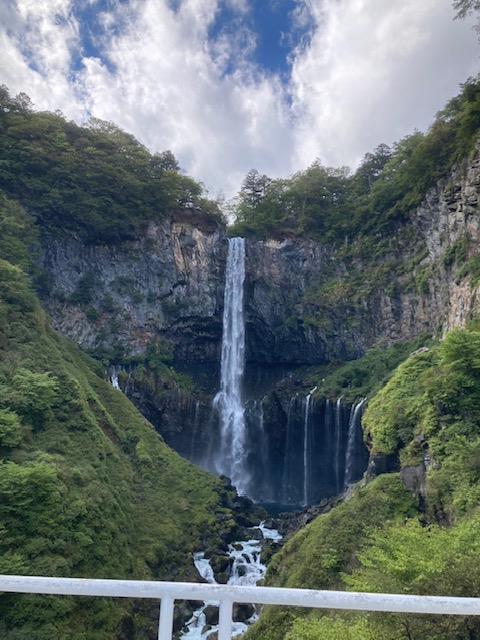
pixel 226 595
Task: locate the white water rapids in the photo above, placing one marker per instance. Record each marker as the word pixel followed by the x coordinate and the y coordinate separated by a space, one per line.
pixel 247 569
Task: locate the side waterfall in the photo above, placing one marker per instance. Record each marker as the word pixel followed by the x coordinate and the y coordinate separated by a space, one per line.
pixel 306 446
pixel 228 400
pixel 354 434
pixel 338 438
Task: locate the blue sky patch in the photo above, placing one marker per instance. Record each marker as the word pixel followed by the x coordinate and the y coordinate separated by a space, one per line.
pixel 271 23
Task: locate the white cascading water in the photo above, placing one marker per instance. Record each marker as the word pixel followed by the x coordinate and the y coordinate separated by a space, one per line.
pixel 286 470
pixel 305 446
pixel 353 426
pixel 114 371
pixel 228 400
pixel 338 435
pixel 246 569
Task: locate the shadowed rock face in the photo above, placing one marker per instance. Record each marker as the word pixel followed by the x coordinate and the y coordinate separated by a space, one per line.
pixel 168 284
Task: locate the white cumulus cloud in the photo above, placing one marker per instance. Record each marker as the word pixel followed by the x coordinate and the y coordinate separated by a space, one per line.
pixel 372 72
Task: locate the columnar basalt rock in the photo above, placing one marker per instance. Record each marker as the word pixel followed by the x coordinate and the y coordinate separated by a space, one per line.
pixel 170 284
pixel 426 291
pixel 166 285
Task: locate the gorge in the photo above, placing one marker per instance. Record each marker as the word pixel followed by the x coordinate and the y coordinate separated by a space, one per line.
pixel 318 360
pixel 160 298
pixel 154 305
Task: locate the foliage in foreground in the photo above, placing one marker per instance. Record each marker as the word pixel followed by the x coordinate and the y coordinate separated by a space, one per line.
pixel 428 410
pixel 87 487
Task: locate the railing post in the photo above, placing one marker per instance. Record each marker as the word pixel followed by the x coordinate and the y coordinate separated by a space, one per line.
pixel 165 623
pixel 225 620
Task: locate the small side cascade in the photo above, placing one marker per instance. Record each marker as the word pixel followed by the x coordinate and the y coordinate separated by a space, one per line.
pixel 306 446
pixel 354 435
pixel 287 466
pixel 113 374
pixel 338 440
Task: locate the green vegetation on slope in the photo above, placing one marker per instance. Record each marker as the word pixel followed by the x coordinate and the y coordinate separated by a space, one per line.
pixel 318 554
pixel 407 558
pixel 428 410
pixel 87 487
pixel 433 403
pixel 366 375
pixel 97 180
pixel 334 206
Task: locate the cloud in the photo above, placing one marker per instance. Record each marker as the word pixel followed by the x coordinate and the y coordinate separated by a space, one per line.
pixel 371 71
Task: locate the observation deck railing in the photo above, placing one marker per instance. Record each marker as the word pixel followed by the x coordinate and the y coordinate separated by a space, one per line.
pixel 226 595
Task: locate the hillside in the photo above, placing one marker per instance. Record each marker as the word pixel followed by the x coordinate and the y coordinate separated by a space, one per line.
pixel 415 531
pixel 87 486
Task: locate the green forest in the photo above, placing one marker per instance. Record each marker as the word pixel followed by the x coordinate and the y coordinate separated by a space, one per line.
pixel 89 486
pixel 334 204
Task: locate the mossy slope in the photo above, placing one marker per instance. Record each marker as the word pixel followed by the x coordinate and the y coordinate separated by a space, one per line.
pixel 87 487
pixel 386 540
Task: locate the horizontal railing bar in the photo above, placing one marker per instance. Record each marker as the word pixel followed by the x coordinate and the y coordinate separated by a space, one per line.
pixel 396 603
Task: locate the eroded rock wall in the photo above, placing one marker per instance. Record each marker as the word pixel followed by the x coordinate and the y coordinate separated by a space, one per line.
pixel 121 298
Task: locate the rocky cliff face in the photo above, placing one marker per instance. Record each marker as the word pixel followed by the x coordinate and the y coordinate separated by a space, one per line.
pixel 119 299
pixel 307 302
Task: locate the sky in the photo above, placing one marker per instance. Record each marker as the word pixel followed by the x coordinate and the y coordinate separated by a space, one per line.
pixel 230 85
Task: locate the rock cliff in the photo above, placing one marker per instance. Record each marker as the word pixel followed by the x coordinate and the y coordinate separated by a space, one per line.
pixel 310 302
pixel 121 298
pixel 306 301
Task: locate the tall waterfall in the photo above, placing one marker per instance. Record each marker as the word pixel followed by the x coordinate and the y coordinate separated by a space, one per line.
pixel 228 400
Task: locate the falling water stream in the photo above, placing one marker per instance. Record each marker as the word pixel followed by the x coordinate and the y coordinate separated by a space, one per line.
pixel 354 428
pixel 305 445
pixel 228 400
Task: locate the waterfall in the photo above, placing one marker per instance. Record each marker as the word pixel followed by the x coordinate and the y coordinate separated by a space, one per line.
pixel 286 475
pixel 305 446
pixel 228 400
pixel 113 375
pixel 354 426
pixel 195 430
pixel 338 440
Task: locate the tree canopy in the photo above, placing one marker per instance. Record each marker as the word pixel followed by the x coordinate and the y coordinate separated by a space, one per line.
pixel 97 180
pixel 390 182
